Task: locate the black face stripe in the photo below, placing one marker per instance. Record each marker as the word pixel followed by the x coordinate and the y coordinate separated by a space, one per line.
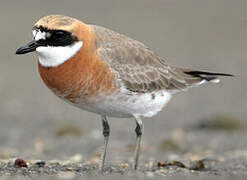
pixel 57 37
pixel 60 38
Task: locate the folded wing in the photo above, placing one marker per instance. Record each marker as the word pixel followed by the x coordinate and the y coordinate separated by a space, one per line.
pixel 140 69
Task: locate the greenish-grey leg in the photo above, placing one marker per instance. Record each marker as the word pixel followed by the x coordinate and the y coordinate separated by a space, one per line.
pixel 139 131
pixel 106 133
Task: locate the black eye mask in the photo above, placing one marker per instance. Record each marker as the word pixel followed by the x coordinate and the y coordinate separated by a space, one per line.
pixel 57 37
pixel 54 38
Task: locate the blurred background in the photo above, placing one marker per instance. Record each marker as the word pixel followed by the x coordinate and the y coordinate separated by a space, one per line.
pixel 201 34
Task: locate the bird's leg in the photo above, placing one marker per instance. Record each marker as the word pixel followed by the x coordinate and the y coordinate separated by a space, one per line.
pixel 139 130
pixel 106 133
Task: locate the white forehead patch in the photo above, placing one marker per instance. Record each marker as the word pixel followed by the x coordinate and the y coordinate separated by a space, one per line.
pixel 37 34
pixel 52 56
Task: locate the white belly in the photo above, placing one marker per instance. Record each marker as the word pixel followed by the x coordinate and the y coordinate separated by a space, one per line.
pixel 127 105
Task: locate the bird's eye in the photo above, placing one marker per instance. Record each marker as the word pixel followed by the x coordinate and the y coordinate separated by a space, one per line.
pixel 59 38
pixel 58 34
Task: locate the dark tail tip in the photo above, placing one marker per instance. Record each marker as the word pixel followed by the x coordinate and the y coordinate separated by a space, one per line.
pixel 208 76
pixel 207 73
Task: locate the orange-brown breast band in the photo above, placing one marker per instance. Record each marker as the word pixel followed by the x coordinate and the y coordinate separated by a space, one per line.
pixel 84 75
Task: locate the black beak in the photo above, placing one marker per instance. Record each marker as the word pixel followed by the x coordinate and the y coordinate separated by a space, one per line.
pixel 30 47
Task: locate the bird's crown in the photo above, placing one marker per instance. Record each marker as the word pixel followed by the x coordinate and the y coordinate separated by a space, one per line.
pixel 54 22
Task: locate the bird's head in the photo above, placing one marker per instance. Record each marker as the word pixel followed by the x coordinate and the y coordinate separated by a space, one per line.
pixel 56 39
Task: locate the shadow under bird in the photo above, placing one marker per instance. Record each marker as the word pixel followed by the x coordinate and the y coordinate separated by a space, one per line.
pixel 104 72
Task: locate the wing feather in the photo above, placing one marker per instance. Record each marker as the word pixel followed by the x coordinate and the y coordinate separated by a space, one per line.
pixel 139 68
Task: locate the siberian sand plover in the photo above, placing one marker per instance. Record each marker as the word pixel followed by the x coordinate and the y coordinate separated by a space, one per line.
pixel 104 72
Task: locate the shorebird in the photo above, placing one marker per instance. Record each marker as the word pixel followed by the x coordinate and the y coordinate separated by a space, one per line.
pixel 104 72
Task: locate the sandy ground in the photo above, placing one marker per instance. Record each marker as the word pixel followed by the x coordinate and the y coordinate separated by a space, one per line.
pixel 205 124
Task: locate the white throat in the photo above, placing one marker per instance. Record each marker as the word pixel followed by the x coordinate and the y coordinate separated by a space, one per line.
pixel 52 56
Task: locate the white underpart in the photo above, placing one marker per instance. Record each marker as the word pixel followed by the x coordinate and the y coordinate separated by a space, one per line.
pixel 52 56
pixel 127 105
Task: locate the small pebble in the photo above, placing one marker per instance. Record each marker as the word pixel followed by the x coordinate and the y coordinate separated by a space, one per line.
pixel 20 163
pixel 40 163
pixel 124 165
pixel 69 169
pixel 197 165
pixel 172 163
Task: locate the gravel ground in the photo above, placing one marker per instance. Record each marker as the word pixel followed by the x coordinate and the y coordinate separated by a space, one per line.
pixel 200 134
pixel 215 166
